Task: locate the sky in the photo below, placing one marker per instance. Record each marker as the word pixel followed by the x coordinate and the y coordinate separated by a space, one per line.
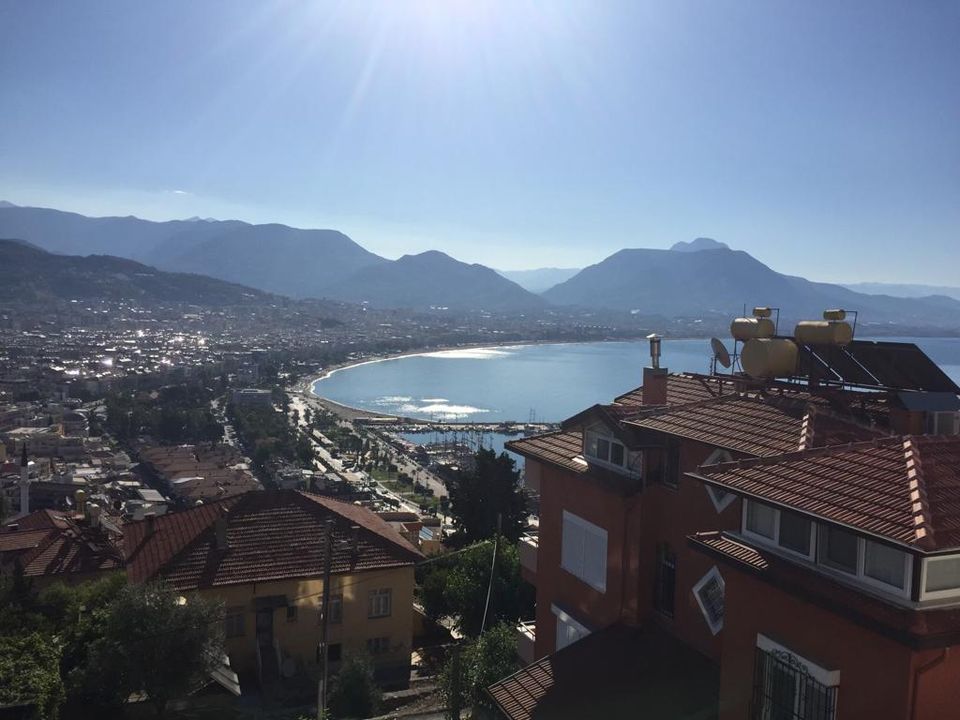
pixel 822 137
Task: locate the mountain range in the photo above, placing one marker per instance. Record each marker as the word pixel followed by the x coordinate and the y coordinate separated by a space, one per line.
pixel 692 279
pixel 29 274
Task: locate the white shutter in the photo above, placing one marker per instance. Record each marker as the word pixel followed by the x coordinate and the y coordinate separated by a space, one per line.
pixel 583 551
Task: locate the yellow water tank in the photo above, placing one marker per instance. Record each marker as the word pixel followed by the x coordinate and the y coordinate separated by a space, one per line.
pixel 762 312
pixel 769 357
pixel 752 327
pixel 823 332
pixel 834 314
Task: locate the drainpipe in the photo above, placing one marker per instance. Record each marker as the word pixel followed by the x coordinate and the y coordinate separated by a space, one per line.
pixel 923 669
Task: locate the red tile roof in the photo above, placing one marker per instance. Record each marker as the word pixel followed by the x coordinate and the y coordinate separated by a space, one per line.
pixel 558 448
pixel 49 543
pixel 756 425
pixel 271 535
pixel 904 489
pixel 734 550
pixel 684 388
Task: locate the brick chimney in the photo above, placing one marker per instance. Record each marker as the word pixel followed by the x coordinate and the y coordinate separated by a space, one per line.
pixel 654 376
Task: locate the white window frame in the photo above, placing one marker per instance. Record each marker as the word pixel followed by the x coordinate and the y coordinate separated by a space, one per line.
pixel 587 527
pixel 713 574
pixel 828 678
pixel 861 576
pixel 949 593
pixel 775 540
pixel 632 459
pixel 564 618
pixel 936 417
pixel 721 499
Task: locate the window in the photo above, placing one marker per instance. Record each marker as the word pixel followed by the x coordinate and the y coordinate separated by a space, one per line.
pixel 336 608
pixel 838 549
pixel 884 563
pixel 943 575
pixel 604 448
pixel 334 652
pixel 568 629
pixel 378 645
pixel 709 592
pixel 762 519
pixel 789 687
pixel 720 498
pixel 380 603
pixel 583 551
pixel 665 584
pixel 291 613
pixel 235 624
pixel 794 532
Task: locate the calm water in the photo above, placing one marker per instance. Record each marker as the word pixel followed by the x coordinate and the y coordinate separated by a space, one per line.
pixel 545 382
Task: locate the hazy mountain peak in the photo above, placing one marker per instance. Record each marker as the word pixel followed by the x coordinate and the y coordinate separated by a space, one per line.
pixel 698 244
pixel 6 204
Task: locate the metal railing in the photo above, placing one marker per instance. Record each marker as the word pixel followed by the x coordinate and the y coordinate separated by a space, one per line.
pixel 783 689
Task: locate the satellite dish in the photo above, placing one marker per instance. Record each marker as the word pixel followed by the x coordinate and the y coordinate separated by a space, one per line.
pixel 720 352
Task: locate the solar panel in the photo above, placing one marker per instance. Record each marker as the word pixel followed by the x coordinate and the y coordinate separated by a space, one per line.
pixel 901 366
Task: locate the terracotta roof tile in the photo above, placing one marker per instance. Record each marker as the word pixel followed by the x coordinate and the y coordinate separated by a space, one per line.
pixel 904 489
pixel 683 388
pixel 270 536
pixel 558 448
pixel 49 543
pixel 732 549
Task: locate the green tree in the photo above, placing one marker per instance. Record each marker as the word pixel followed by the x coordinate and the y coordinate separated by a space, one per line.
pixel 160 643
pixel 30 674
pixel 479 496
pixel 456 587
pixel 489 658
pixel 354 692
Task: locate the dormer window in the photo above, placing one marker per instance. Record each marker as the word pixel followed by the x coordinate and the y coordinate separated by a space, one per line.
pixel 943 423
pixel 606 450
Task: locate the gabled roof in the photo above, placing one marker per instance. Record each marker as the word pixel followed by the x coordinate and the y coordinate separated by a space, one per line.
pixel 49 543
pixel 271 535
pixel 683 388
pixel 756 425
pixel 903 489
pixel 558 448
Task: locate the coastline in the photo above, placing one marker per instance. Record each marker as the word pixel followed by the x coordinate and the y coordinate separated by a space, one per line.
pixel 350 412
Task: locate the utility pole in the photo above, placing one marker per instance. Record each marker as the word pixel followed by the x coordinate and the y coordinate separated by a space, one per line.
pixel 493 569
pixel 325 619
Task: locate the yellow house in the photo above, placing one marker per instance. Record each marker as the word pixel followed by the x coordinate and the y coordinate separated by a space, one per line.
pixel 263 555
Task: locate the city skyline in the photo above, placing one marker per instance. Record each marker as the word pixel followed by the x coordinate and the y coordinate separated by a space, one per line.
pixel 513 135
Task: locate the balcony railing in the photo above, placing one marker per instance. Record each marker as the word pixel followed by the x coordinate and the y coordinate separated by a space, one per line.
pixel 784 690
pixel 526 640
pixel 528 552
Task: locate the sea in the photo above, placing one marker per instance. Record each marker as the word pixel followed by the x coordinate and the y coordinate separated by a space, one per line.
pixel 529 383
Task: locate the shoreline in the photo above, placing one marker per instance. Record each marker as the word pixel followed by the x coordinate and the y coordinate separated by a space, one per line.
pixel 306 387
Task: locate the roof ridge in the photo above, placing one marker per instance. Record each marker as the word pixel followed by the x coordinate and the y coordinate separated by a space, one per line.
pixel 919 502
pixel 800 454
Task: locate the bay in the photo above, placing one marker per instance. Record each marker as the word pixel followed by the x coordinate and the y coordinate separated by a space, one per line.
pixel 546 383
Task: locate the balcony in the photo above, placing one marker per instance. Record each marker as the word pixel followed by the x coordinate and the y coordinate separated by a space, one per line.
pixel 528 556
pixel 526 641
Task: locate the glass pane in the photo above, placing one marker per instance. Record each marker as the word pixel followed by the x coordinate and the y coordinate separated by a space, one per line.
pixel 603 449
pixel 616 453
pixel 943 574
pixel 839 549
pixel 794 532
pixel 885 564
pixel 591 444
pixel 761 519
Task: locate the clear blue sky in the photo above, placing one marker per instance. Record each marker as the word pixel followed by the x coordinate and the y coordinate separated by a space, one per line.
pixel 822 137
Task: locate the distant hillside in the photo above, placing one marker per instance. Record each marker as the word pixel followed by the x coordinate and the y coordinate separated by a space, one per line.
pixel 540 279
pixel 674 283
pixel 904 290
pixel 29 274
pixel 698 244
pixel 277 258
pixel 274 258
pixel 433 279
